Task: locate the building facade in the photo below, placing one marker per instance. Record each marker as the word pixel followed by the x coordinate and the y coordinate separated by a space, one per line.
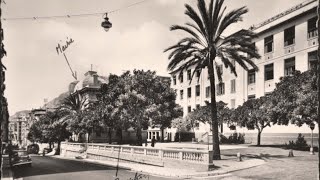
pixel 19 125
pixel 286 42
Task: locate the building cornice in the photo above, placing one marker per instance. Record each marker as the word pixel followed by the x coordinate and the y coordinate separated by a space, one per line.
pixel 278 16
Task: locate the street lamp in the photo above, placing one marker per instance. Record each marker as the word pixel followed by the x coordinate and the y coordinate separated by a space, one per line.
pixel 106 24
pixel 312 125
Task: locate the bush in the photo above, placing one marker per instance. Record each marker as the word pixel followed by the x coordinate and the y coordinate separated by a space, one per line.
pixel 235 138
pixel 299 144
pixel 185 136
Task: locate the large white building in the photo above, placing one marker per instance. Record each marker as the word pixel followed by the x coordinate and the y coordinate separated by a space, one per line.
pixel 286 42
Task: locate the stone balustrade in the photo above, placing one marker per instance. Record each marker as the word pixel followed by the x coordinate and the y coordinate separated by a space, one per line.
pixel 193 159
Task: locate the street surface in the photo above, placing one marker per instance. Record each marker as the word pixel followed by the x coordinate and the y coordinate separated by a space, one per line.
pixel 48 168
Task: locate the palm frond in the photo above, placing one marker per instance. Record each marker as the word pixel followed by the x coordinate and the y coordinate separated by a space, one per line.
pixel 196 18
pixel 205 19
pixel 216 17
pixel 203 40
pixel 233 16
pixel 186 29
pixel 197 68
pixel 178 59
pixel 227 63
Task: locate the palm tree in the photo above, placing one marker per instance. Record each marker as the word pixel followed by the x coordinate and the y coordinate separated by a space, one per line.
pixel 206 42
pixel 318 71
pixel 74 103
pixel 72 109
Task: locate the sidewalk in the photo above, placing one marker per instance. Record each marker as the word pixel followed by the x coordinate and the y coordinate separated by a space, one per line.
pixel 7 174
pixel 222 167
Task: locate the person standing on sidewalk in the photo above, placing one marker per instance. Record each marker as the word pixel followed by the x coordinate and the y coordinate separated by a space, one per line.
pixel 153 142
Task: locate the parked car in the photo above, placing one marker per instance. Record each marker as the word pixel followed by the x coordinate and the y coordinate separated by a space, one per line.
pixel 33 149
pixel 21 157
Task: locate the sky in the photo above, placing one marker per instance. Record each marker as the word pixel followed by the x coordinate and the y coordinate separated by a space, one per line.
pixel 136 41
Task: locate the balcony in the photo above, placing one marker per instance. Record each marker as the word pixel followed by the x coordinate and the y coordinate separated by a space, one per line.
pixel 312 42
pixel 268 55
pixel 269 85
pixel 313 34
pixel 289 49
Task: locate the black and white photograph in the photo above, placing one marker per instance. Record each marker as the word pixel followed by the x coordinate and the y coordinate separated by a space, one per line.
pixel 159 89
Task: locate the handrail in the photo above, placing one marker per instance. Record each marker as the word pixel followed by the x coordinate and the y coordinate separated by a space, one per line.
pixel 139 147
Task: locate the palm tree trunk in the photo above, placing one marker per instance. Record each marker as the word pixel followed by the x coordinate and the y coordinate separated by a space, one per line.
pixel 214 118
pixel 318 73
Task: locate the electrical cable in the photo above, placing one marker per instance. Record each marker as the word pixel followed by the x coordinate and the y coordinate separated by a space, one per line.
pixel 73 15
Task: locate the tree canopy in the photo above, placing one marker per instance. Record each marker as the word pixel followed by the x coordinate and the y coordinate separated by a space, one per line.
pixel 294 100
pixel 136 100
pixel 299 99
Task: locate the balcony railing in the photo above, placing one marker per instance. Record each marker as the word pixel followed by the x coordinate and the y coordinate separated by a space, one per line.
pixel 140 154
pixel 312 34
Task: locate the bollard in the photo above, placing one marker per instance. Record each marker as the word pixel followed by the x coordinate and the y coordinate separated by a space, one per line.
pixel 290 153
pixel 239 157
pixel 311 151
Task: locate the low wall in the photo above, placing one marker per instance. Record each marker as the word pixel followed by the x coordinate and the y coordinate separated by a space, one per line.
pixel 175 158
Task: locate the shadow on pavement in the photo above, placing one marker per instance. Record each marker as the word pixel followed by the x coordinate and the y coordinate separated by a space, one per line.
pixel 42 165
pixel 256 156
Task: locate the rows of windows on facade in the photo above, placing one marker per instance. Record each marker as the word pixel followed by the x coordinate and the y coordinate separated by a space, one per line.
pixel 289 40
pixel 289 64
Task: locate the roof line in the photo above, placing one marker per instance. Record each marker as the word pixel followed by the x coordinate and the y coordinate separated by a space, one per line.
pixel 278 16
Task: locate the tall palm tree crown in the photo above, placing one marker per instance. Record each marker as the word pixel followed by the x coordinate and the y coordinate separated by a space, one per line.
pixel 72 109
pixel 205 42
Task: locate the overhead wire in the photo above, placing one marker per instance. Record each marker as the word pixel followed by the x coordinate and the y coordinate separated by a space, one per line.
pixel 73 15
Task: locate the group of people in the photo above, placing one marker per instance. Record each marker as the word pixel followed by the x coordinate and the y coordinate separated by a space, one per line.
pixel 153 142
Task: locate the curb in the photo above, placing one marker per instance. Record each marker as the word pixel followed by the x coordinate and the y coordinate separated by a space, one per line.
pixel 195 175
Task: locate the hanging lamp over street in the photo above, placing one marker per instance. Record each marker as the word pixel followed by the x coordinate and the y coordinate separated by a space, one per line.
pixel 106 24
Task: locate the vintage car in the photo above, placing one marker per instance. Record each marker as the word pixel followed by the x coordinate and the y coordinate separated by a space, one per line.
pixel 21 157
pixel 33 149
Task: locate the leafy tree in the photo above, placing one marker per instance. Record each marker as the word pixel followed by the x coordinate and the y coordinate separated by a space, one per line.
pixel 108 109
pixel 298 95
pixel 254 114
pixel 35 133
pixel 163 108
pixel 203 114
pixel 181 124
pixel 89 120
pixel 145 99
pixel 49 129
pixel 133 107
pixel 206 42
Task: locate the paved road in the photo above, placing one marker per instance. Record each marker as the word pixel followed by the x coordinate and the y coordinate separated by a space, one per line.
pixel 48 168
